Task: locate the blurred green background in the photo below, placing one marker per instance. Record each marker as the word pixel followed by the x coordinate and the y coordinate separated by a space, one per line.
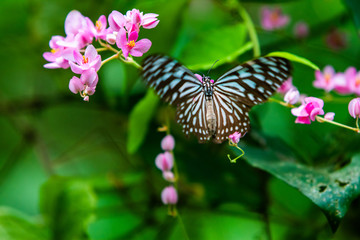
pixel 71 169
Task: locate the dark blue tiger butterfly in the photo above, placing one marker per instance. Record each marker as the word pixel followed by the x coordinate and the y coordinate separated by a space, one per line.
pixel 211 109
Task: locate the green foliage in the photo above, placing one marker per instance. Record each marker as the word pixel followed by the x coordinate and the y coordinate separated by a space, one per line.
pixel 68 207
pixel 14 226
pixel 294 58
pixel 331 190
pixel 139 120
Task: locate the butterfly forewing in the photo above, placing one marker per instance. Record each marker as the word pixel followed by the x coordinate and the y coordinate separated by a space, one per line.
pixel 173 82
pixel 254 81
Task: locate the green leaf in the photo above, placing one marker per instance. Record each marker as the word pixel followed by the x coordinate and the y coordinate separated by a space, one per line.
pixel 113 80
pixel 332 191
pixel 224 44
pixel 15 226
pixel 354 8
pixel 67 205
pixel 139 120
pixel 294 58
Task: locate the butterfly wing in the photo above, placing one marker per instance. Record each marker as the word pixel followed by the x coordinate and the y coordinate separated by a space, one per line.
pixel 177 85
pixel 173 82
pixel 242 87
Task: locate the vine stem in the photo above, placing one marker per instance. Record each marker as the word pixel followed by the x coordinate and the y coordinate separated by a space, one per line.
pixel 321 119
pixel 252 31
pixel 242 153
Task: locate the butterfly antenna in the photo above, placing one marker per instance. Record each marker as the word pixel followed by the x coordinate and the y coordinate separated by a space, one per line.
pixel 212 67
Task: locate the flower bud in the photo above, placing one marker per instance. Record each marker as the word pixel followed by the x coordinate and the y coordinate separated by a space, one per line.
pixel 168 143
pixel 169 195
pixel 292 96
pixel 354 107
pixel 329 116
pixel 169 176
pixel 164 161
pixel 235 137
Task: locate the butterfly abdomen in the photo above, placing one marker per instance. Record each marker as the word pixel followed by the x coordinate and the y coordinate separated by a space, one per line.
pixel 210 117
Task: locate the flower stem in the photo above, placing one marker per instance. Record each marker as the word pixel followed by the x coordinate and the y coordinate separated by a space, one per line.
pixel 281 102
pixel 357 123
pixel 321 119
pixel 110 58
pixel 251 29
pixel 242 154
pixel 131 61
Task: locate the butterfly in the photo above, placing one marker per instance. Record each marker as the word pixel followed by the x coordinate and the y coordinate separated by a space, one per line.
pixel 215 109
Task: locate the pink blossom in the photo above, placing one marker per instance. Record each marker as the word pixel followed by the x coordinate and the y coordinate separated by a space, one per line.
pixel 86 84
pixel 132 46
pixel 354 108
pixel 198 76
pixel 99 30
pixel 286 86
pixel 329 116
pixel 135 19
pixel 353 80
pixel 116 21
pixel 76 27
pixel 169 195
pixel 272 19
pixel 342 81
pixel 149 20
pixel 58 54
pixel 336 40
pixel 91 59
pixel 168 143
pixel 308 110
pixel 235 137
pixel 325 79
pixel 292 96
pixel 169 176
pixel 164 161
pixel 301 30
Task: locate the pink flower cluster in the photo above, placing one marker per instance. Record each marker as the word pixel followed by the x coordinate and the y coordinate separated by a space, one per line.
pixel 165 162
pixel 234 138
pixel 274 19
pixel 80 33
pixel 347 82
pixel 310 107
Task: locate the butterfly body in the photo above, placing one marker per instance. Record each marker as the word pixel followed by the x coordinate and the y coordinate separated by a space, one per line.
pixel 215 109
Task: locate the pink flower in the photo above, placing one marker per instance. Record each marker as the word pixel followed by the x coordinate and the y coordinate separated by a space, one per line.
pixel 116 21
pixel 76 27
pixel 164 161
pixel 325 80
pixel 353 80
pixel 135 19
pixel 301 30
pixel 91 59
pixel 169 195
pixel 308 110
pixel 58 54
pixel 169 176
pixel 168 143
pixel 198 76
pixel 99 30
pixel 86 84
pixel 329 116
pixel 149 20
pixel 342 81
pixel 286 86
pixel 292 96
pixel 131 46
pixel 354 108
pixel 272 19
pixel 336 40
pixel 235 137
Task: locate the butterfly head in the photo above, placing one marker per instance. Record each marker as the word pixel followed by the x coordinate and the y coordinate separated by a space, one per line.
pixel 208 86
